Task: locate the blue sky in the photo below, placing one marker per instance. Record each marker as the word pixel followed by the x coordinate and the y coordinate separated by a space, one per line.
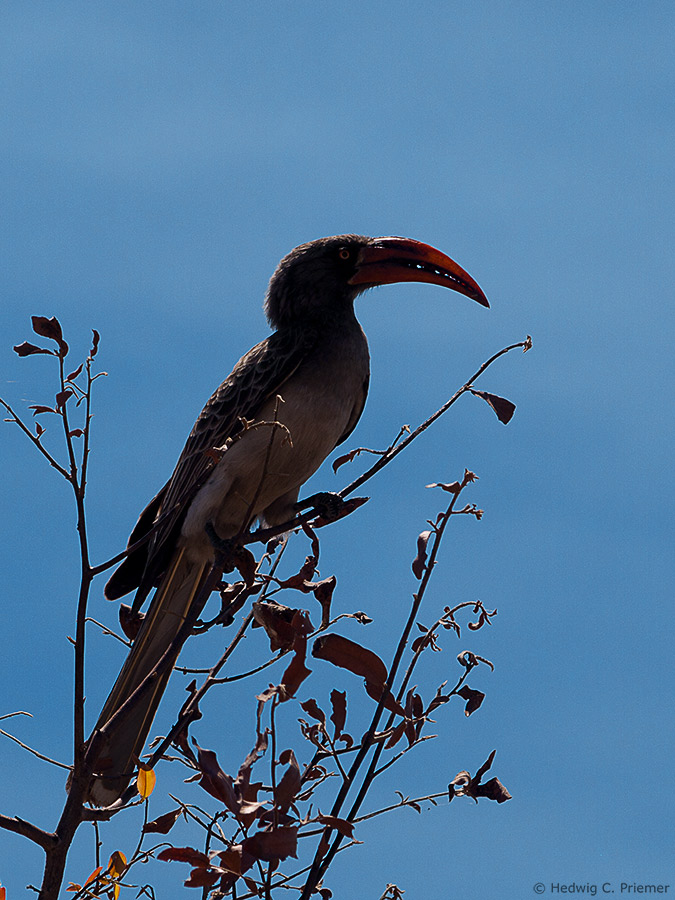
pixel 158 160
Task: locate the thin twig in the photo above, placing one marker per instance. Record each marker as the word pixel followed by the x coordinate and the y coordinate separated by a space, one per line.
pixel 35 440
pixel 398 448
pixel 321 864
pixel 39 755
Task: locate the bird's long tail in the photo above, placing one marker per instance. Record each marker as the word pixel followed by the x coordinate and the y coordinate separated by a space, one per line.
pixel 124 739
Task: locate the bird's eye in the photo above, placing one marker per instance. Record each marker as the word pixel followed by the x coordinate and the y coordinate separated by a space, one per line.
pixel 344 253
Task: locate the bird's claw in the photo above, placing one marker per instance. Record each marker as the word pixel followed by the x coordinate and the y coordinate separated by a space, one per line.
pixel 228 550
pixel 325 504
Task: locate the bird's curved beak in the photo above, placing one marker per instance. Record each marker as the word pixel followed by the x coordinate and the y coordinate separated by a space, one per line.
pixel 388 260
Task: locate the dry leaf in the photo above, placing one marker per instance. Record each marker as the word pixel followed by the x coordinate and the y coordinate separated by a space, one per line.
pixel 278 843
pixel 421 558
pixel 503 408
pixel 184 854
pixel 163 824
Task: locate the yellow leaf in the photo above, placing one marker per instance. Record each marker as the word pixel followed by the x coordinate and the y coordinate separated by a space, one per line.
pixel 116 890
pixel 145 781
pixel 72 889
pixel 93 875
pixel 117 864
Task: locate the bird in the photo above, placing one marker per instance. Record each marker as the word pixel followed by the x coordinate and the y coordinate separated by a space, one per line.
pixel 311 375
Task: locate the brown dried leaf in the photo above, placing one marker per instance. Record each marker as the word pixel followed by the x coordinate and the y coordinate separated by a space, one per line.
pixel 323 592
pixel 439 699
pixel 338 717
pixel 62 397
pixel 360 617
pixel 38 410
pixel 312 708
pixel 96 337
pixel 277 621
pixel 346 654
pixel 487 765
pixel 215 781
pixel 347 458
pixel 421 558
pixel 473 699
pixel 397 734
pixel 296 672
pixel 493 790
pixel 184 854
pixel 301 580
pixel 244 774
pixel 273 845
pixel 163 824
pixel 73 375
pixel 503 408
pixel 76 432
pixel 235 861
pixel 413 710
pixel 344 827
pixel 379 692
pixel 27 349
pixel 454 488
pixel 202 878
pixel 464 785
pixel 290 782
pixel 50 328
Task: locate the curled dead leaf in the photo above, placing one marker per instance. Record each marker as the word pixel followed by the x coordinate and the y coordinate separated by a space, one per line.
pixel 420 560
pixel 473 699
pixel 502 407
pixel 463 785
pixel 312 708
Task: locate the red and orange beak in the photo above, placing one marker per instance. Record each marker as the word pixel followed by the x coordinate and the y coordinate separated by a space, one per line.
pixel 389 260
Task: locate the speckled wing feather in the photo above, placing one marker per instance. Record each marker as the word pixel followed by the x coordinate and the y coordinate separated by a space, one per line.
pixel 258 375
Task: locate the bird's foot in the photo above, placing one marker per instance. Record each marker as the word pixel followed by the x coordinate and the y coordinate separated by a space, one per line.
pixel 230 552
pixel 325 504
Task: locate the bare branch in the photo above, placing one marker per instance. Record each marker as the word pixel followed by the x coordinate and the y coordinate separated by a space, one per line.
pixel 45 839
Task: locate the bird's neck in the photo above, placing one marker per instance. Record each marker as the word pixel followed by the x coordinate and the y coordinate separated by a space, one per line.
pixel 334 318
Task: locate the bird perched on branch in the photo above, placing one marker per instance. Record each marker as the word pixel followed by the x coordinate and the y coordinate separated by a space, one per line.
pixel 311 376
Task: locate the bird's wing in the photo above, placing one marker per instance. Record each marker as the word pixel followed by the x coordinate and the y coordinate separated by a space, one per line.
pixel 258 375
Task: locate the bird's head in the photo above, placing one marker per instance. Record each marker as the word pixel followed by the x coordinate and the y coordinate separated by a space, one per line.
pixel 317 280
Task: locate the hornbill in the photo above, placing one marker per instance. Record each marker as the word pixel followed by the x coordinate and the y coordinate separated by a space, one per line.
pixel 230 474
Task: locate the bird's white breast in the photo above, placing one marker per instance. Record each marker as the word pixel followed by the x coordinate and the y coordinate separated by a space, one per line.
pixel 262 471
